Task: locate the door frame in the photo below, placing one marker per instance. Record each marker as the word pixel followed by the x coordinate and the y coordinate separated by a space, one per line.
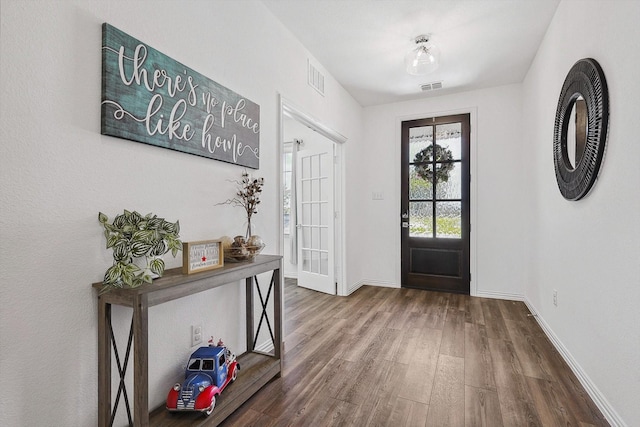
pixel 473 187
pixel 287 108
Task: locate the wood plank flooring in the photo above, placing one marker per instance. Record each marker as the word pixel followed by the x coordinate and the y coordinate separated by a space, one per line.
pixel 403 357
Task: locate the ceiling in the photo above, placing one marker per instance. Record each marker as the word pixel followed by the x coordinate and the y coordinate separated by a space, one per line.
pixel 362 43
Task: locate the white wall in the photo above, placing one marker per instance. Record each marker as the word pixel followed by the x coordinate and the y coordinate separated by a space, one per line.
pixel 497 196
pixel 57 172
pixel 589 251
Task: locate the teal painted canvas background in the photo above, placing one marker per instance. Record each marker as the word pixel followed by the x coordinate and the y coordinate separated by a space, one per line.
pixel 149 97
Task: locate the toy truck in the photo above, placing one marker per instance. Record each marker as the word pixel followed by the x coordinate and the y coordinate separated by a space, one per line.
pixel 209 371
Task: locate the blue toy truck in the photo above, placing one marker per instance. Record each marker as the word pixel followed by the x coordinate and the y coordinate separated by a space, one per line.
pixel 209 371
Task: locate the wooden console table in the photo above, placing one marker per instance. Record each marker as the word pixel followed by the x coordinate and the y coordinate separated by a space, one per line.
pixel 256 368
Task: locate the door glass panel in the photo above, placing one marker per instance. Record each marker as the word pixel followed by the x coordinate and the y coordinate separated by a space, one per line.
pixel 315 237
pixel 315 190
pixel 306 237
pixel 448 137
pixel 315 213
pixel 306 261
pixel 421 219
pixel 324 263
pixel 315 166
pixel 449 220
pixel 306 168
pixel 419 139
pixel 323 190
pixel 451 188
pixel 315 262
pixel 324 214
pixel 324 238
pixel 419 184
pixel 306 191
pixel 306 214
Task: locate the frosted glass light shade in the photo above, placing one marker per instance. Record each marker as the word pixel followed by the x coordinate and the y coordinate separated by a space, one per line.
pixel 423 59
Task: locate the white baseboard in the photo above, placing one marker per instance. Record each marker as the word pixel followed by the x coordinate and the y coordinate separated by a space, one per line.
pixel 499 295
pixel 351 289
pixel 592 390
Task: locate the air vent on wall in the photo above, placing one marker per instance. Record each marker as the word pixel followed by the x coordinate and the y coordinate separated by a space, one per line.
pixel 431 86
pixel 316 79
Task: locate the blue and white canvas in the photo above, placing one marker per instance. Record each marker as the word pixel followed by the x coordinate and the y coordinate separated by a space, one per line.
pixel 148 97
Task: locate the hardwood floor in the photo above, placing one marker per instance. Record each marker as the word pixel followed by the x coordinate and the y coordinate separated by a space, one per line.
pixel 403 357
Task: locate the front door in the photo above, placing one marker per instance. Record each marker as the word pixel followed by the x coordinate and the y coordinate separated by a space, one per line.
pixel 315 201
pixel 435 204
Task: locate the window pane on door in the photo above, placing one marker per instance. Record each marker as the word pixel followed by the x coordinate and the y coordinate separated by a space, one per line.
pixel 306 168
pixel 315 190
pixel 306 260
pixel 449 220
pixel 452 187
pixel 315 237
pixel 324 190
pixel 315 262
pixel 306 214
pixel 419 186
pixel 421 219
pixel 419 139
pixel 449 138
pixel 315 214
pixel 324 214
pixel 324 263
pixel 315 167
pixel 306 236
pixel 306 190
pixel 324 239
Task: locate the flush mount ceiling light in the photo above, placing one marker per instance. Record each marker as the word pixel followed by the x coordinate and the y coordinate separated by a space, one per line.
pixel 424 58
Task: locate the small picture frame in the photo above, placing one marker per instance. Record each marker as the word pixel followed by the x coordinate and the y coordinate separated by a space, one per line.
pixel 202 256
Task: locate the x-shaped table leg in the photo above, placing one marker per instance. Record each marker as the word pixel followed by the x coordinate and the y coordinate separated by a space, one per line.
pixel 264 316
pixel 122 369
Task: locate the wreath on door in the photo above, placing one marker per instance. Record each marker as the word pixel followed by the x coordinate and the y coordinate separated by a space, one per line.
pixel 424 163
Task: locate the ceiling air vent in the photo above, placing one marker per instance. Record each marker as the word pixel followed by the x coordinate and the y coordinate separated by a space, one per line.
pixel 316 79
pixel 431 86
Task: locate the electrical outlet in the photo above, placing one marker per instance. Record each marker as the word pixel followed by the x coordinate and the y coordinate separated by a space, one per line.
pixel 555 297
pixel 196 334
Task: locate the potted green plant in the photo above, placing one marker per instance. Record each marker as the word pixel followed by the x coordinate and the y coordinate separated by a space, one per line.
pixel 133 237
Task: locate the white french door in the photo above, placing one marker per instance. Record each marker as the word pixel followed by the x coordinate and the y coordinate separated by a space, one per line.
pixel 315 211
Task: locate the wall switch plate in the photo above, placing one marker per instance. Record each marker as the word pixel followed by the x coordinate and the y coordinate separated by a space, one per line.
pixel 377 195
pixel 196 334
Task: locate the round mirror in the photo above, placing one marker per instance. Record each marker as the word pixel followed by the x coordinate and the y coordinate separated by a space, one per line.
pixel 580 131
pixel 577 131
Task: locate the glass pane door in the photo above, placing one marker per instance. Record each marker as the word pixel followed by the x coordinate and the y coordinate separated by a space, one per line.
pixel 435 181
pixel 435 227
pixel 315 224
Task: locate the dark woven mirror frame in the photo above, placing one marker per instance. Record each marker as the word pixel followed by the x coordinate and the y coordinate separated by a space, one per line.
pixel 585 79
